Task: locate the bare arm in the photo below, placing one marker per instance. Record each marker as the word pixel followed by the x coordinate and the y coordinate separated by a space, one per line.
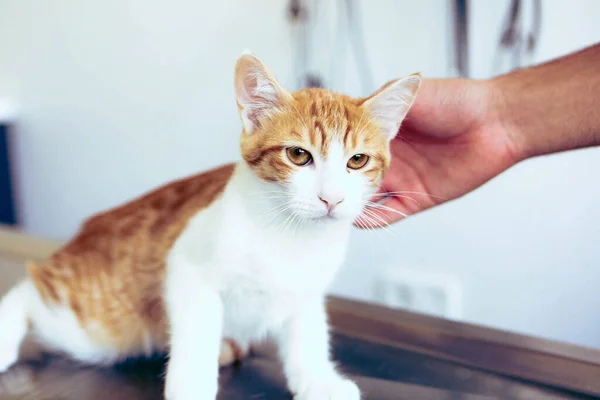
pixel 461 133
pixel 554 106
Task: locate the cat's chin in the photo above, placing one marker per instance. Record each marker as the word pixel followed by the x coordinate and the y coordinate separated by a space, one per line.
pixel 326 218
pixel 331 219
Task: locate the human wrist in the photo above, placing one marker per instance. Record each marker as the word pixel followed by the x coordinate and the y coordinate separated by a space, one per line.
pixel 502 119
pixel 550 107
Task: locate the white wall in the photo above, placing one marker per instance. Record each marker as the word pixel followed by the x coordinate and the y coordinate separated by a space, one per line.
pixel 526 246
pixel 119 96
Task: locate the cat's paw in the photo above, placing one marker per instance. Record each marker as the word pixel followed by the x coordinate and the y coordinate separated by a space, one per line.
pixel 189 385
pixel 334 389
pixel 8 357
pixel 190 391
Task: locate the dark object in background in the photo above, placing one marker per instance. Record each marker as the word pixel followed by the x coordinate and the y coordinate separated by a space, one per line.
pixel 461 36
pixel 7 206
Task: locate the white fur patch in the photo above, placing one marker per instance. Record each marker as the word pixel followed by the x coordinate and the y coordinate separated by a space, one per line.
pixel 265 277
pixel 13 324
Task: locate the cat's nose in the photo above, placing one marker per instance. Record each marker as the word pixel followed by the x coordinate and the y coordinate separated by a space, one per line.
pixel 331 201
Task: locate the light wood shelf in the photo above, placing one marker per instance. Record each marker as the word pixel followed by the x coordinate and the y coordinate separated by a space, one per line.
pixel 15 248
pixel 18 246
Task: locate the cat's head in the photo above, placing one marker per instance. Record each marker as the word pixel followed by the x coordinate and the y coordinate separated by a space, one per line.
pixel 325 153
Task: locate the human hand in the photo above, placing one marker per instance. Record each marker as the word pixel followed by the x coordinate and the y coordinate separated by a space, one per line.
pixel 452 141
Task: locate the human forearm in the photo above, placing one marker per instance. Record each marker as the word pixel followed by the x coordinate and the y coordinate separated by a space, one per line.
pixel 552 107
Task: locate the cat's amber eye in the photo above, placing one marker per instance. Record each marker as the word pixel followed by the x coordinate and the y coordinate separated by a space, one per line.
pixel 299 156
pixel 358 161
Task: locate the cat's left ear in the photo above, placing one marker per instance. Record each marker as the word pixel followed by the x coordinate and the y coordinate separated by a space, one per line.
pixel 390 104
pixel 258 93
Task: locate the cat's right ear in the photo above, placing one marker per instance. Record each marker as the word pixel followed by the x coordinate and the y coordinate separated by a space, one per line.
pixel 257 92
pixel 390 104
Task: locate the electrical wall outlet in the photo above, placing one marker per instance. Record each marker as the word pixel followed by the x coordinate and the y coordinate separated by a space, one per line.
pixel 418 290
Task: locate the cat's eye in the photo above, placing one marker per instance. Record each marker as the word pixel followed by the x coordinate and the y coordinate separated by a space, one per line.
pixel 299 156
pixel 358 161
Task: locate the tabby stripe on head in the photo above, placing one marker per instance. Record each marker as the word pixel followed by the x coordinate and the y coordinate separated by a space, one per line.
pixel 296 135
pixel 312 137
pixel 348 125
pixel 258 157
pixel 355 138
pixel 319 127
pixel 278 165
pixel 372 173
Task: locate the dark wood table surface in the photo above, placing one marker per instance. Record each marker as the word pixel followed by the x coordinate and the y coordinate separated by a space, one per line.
pixel 391 354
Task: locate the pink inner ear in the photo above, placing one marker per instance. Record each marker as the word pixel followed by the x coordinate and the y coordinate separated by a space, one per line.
pixel 390 106
pixel 257 93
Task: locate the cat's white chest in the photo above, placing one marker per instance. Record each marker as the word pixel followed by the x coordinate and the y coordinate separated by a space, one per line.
pixel 272 281
pixel 263 276
pixel 251 312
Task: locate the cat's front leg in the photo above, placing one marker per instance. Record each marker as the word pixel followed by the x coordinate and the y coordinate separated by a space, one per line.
pixel 195 315
pixel 304 349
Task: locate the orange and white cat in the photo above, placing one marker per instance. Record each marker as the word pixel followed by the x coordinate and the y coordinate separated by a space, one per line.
pixel 208 264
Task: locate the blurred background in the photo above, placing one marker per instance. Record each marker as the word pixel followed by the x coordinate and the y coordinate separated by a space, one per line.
pixel 101 101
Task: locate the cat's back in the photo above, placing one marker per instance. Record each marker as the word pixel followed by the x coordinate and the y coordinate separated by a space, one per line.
pixel 111 272
pixel 148 225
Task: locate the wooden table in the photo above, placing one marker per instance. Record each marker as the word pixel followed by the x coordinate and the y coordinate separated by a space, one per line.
pixel 391 354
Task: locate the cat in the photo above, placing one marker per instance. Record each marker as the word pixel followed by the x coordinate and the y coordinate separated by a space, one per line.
pixel 204 266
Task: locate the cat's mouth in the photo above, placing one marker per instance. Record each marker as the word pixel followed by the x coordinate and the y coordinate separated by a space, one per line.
pixel 326 217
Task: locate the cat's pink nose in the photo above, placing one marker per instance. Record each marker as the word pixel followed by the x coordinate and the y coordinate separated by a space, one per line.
pixel 331 201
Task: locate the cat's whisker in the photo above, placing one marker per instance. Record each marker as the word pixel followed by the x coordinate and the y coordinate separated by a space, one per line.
pixel 411 199
pixel 267 191
pixel 274 197
pixel 274 212
pixel 384 194
pixel 372 223
pixel 287 221
pixel 295 223
pixel 367 223
pixel 380 222
pixel 271 192
pixel 373 226
pixel 405 139
pixel 282 223
pixel 404 197
pixel 386 208
pixel 375 216
pixel 275 215
pixel 267 195
pixel 284 204
pixel 299 224
pixel 361 223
